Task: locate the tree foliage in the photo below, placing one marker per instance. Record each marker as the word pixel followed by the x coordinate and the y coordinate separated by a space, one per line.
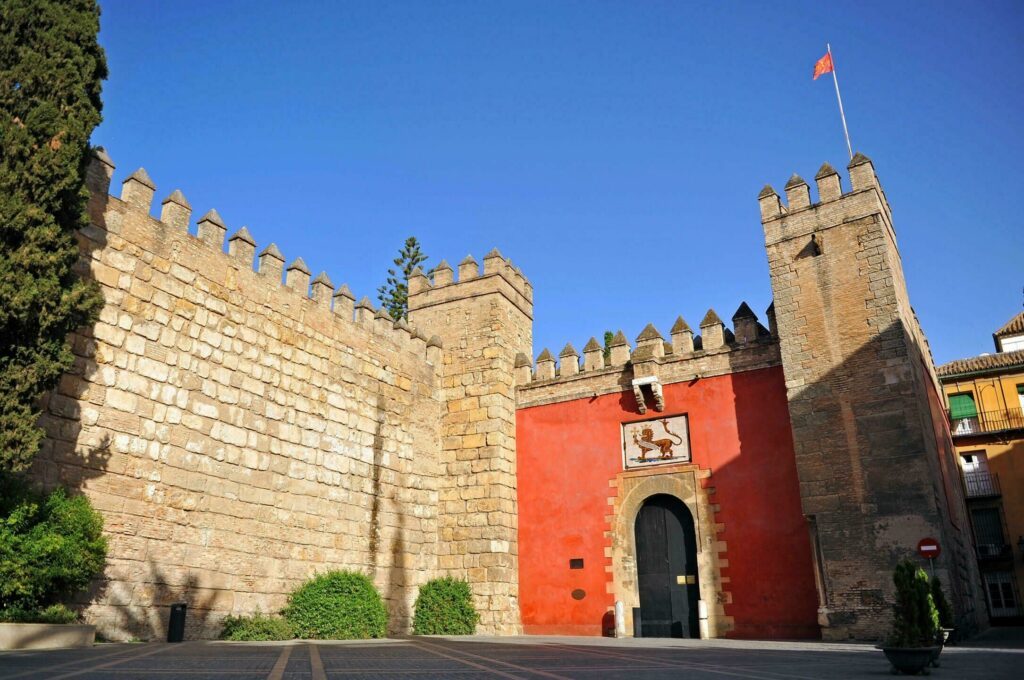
pixel 608 337
pixel 942 604
pixel 51 68
pixel 444 606
pixel 394 295
pixel 50 548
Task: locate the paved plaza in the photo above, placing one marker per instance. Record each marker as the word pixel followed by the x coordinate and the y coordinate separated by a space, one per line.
pixel 993 656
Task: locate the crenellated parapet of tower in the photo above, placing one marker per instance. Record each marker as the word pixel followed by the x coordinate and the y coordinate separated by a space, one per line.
pixel 800 217
pixel 497 275
pixel 651 361
pixel 269 265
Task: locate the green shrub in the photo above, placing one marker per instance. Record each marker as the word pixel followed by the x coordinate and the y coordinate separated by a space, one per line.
pixel 55 613
pixel 256 628
pixel 915 619
pixel 942 604
pixel 445 607
pixel 338 605
pixel 50 546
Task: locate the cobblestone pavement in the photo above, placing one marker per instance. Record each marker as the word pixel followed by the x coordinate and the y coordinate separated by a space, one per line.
pixel 520 658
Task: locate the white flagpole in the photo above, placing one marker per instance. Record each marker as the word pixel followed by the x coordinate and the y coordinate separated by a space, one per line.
pixel 842 115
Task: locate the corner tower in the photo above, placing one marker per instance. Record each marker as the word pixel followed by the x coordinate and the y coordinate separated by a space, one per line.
pixel 874 457
pixel 484 321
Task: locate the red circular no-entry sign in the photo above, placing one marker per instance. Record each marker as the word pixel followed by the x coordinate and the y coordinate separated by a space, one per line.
pixel 929 548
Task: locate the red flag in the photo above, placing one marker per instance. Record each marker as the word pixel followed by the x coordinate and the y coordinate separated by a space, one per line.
pixel 823 66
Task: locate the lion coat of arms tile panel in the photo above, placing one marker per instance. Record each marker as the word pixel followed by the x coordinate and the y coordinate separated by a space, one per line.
pixel 659 441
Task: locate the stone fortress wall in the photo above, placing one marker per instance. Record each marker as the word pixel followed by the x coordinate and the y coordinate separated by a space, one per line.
pixel 485 320
pixel 239 434
pixel 874 455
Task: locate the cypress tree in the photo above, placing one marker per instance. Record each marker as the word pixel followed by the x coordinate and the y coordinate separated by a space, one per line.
pixel 51 68
pixel 394 295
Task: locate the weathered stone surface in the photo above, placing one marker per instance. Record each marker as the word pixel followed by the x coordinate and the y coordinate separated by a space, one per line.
pixel 876 471
pixel 238 436
pixel 484 323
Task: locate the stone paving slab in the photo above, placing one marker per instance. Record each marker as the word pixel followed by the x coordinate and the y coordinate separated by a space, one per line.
pixel 516 658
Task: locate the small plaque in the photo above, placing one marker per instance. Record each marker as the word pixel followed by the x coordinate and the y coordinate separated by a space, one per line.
pixel 576 563
pixel 656 442
pixel 579 594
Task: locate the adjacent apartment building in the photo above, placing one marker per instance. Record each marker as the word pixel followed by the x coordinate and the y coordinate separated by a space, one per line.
pixel 985 395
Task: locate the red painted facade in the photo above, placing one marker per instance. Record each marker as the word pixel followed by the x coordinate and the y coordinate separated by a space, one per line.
pixel 568 452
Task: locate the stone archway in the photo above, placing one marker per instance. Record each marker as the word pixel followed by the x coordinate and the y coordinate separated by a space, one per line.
pixel 634 488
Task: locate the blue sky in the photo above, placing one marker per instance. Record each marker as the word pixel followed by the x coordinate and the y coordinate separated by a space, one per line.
pixel 613 150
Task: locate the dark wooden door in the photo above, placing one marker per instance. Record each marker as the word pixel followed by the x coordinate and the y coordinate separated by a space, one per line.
pixel 666 558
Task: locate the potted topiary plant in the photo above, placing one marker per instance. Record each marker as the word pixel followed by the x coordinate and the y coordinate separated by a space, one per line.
pixel 945 618
pixel 911 644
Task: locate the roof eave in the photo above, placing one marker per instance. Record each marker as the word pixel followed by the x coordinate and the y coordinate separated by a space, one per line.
pixel 1013 368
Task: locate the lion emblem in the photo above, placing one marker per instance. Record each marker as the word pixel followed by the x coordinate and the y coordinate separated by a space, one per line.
pixel 648 444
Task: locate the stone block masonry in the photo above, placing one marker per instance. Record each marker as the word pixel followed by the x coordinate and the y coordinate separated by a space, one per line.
pixel 241 429
pixel 485 321
pixel 876 472
pixel 237 434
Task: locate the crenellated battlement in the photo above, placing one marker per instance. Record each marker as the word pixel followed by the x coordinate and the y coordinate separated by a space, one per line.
pixel 799 217
pixel 498 275
pixel 684 355
pixel 136 200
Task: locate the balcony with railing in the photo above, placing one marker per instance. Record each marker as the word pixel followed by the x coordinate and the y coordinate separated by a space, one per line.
pixel 992 552
pixel 986 422
pixel 981 484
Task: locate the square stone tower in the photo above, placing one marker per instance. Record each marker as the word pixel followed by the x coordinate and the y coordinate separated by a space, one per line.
pixel 875 460
pixel 483 322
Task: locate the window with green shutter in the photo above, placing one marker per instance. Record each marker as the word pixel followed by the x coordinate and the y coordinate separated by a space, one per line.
pixel 962 406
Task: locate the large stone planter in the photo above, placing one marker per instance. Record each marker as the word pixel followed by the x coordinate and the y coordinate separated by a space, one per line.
pixel 910 660
pixel 46 635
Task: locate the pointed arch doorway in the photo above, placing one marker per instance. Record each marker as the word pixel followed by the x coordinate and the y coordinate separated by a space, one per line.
pixel 666 560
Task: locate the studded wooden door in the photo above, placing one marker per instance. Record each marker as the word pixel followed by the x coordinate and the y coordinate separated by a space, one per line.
pixel 666 558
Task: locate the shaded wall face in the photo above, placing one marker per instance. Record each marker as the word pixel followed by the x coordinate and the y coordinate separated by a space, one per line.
pixel 569 457
pixel 963 588
pixel 237 436
pixel 874 474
